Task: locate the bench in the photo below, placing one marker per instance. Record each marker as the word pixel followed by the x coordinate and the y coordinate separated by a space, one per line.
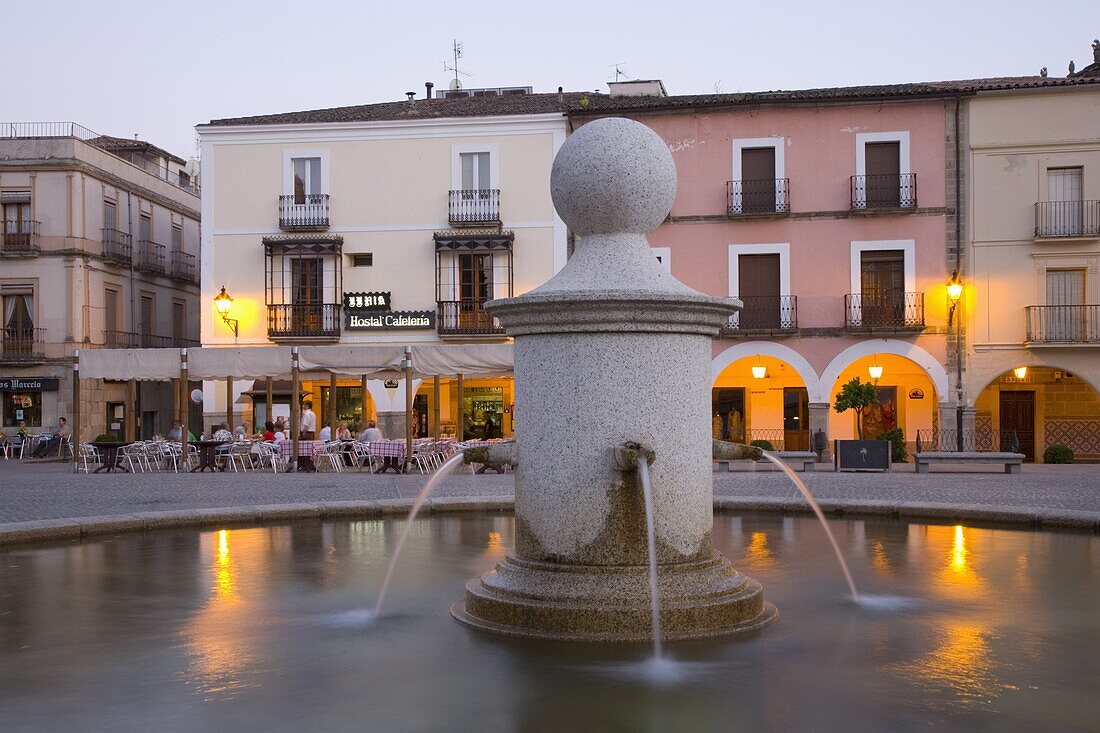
pixel 797 459
pixel 1013 462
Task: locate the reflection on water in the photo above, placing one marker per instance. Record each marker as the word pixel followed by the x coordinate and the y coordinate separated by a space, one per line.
pixel 264 628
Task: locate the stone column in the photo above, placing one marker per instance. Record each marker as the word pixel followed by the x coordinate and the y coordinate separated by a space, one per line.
pixel 969 424
pixel 819 420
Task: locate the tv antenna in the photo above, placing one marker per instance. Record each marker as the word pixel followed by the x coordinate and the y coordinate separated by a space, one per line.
pixel 456 51
pixel 619 70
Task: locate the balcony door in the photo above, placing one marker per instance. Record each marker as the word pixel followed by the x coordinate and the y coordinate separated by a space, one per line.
pixel 18 323
pixel 1066 190
pixel 477 184
pixel 882 287
pixel 883 167
pixel 475 288
pixel 758 280
pixel 307 286
pixel 1065 312
pixel 17 225
pixel 758 180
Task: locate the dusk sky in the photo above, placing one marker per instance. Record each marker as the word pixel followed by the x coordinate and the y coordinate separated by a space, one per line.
pixel 157 68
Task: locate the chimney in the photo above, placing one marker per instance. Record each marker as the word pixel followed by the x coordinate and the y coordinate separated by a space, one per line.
pixel 411 96
pixel 428 89
pixel 561 97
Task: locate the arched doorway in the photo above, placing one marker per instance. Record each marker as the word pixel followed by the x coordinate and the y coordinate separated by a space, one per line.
pixel 761 397
pixel 1038 407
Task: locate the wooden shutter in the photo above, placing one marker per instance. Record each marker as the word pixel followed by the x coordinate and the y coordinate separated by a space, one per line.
pixel 883 169
pixel 758 279
pixel 882 287
pixel 758 180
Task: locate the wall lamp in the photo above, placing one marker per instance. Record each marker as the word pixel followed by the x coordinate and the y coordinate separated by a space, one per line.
pixel 1020 372
pixel 954 293
pixel 223 303
pixel 875 370
pixel 759 371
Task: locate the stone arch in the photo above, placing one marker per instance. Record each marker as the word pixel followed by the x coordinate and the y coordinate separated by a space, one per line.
pixel 904 349
pixel 776 351
pixel 984 378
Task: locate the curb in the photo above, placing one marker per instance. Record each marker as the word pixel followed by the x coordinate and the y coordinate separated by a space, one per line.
pixel 78 528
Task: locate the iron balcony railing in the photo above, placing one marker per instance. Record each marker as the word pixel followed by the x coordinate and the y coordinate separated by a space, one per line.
pixel 1067 219
pixel 21 344
pixel 474 206
pixel 133 340
pixel 183 266
pixel 18 237
pixel 971 440
pixel 150 256
pixel 765 313
pixel 885 310
pixel 313 320
pixel 303 213
pixel 117 246
pixel 465 318
pixel 884 191
pixel 780 438
pixel 1063 324
pixel 767 196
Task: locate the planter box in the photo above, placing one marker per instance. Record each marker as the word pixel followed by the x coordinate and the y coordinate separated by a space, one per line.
pixel 861 455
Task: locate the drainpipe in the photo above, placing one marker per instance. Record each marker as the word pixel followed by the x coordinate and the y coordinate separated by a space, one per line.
pixel 958 262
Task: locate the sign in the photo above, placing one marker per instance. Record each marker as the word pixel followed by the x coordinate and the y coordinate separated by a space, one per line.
pixel 30 384
pixel 862 455
pixel 391 384
pixel 388 321
pixel 367 301
pixel 916 394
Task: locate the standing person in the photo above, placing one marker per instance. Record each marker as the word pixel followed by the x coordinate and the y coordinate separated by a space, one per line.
pixel 48 444
pixel 308 425
pixel 372 434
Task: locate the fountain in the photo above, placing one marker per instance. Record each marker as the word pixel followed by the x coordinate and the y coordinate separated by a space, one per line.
pixel 612 359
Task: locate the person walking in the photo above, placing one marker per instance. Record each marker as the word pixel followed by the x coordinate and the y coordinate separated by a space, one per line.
pixel 308 425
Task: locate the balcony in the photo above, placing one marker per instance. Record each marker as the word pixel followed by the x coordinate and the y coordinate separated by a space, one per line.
pixel 1063 324
pixel 305 213
pixel 19 237
pixel 1067 219
pixel 132 340
pixel 311 321
pixel 884 310
pixel 21 346
pixel 764 313
pixel 150 256
pixel 474 206
pixel 183 267
pixel 117 246
pixel 466 318
pixel 748 198
pixel 884 192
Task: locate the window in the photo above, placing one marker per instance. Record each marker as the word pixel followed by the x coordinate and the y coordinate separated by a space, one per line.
pixel 475 171
pixel 760 276
pixel 18 334
pixel 110 317
pixel 307 178
pixel 470 270
pixel 1065 186
pixel 363 260
pixel 883 178
pixel 148 318
pixel 1066 318
pixel 179 323
pixel 883 286
pixel 145 228
pixel 304 281
pixel 796 418
pixel 110 215
pixel 177 238
pixel 16 217
pixel 759 184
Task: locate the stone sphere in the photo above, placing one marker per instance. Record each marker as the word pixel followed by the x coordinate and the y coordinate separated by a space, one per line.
pixel 613 175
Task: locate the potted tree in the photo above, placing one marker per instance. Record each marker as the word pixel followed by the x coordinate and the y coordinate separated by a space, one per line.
pixel 860 454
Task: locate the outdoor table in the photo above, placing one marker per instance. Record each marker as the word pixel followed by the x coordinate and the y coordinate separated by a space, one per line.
pixel 392 453
pixel 207 454
pixel 108 450
pixel 306 449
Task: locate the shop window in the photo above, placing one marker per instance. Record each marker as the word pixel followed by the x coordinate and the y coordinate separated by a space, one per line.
pixel 349 407
pixel 727 408
pixel 483 409
pixel 23 406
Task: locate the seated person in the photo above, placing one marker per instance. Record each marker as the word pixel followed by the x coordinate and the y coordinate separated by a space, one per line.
pixel 372 434
pixel 51 443
pixel 268 434
pixel 222 433
pixel 326 434
pixel 342 432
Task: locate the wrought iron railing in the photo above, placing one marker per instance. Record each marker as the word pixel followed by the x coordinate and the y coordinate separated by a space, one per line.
pixel 1063 324
pixel 780 438
pixel 150 256
pixel 308 212
pixel 463 318
pixel 758 197
pixel 183 266
pixel 973 440
pixel 117 246
pixel 886 310
pixel 765 313
pixel 471 206
pixel 884 191
pixel 21 344
pixel 313 320
pixel 133 340
pixel 1067 219
pixel 19 237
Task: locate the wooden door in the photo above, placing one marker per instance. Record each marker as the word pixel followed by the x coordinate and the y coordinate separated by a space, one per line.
pixel 306 273
pixel 758 279
pixel 757 180
pixel 1018 416
pixel 882 288
pixel 883 168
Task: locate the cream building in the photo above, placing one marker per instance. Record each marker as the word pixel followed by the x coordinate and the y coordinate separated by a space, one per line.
pixel 387 223
pixel 99 248
pixel 1032 305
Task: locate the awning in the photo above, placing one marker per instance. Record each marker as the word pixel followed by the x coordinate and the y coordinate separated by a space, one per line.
pixel 314 244
pixel 122 364
pixel 473 240
pixel 281 390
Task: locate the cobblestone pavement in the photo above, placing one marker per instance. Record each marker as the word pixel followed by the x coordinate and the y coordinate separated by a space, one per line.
pixel 30 491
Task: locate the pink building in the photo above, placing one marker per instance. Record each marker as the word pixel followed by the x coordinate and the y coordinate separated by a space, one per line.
pixel 829 214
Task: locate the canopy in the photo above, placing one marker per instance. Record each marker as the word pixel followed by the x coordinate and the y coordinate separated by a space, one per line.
pixel 258 362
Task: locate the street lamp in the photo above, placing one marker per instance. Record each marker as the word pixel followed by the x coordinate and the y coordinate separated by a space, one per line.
pixel 875 370
pixel 954 293
pixel 1020 372
pixel 223 303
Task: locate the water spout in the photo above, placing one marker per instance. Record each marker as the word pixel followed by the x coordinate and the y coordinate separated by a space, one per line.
pixel 651 536
pixel 723 450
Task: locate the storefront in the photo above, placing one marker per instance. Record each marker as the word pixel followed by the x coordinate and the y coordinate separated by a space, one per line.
pixel 26 398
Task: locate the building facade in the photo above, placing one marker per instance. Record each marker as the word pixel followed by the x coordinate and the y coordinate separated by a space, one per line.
pixel 390 223
pixel 1033 316
pixel 99 249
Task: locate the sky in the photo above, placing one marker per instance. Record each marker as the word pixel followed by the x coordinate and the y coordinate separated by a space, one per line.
pixel 157 68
